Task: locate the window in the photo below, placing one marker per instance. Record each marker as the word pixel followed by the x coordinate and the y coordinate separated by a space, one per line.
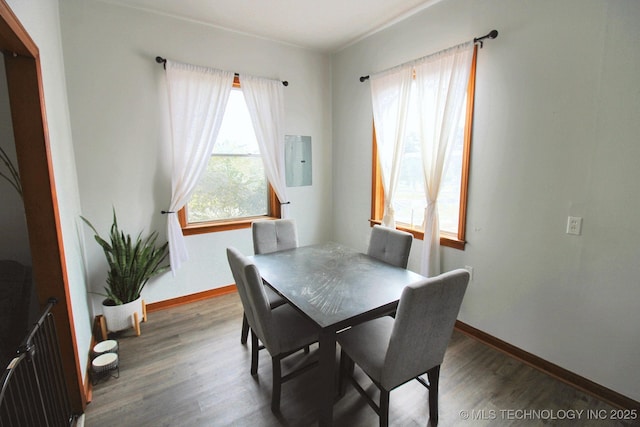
pixel 410 194
pixel 233 190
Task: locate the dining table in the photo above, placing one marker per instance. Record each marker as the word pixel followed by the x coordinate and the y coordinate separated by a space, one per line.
pixel 336 287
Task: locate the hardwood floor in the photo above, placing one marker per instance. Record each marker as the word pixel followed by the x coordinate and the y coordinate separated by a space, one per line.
pixel 188 368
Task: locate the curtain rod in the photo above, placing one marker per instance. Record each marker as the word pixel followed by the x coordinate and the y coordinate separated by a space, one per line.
pixel 163 61
pixel 492 35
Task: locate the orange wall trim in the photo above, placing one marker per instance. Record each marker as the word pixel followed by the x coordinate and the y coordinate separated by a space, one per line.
pixel 187 299
pixel 88 385
pixel 555 371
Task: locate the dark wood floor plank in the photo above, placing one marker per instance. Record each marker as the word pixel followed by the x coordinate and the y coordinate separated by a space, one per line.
pixel 188 368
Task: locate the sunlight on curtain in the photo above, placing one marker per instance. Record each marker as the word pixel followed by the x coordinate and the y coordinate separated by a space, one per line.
pixel 433 89
pixel 197 100
pixel 265 100
pixel 390 92
pixel 441 84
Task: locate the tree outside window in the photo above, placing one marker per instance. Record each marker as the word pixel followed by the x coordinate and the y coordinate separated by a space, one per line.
pixel 234 188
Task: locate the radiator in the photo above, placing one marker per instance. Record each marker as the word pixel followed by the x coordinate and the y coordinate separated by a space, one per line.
pixel 33 390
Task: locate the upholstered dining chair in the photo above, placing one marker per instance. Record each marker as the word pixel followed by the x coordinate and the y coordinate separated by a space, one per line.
pixel 390 245
pixel 394 351
pixel 282 330
pixel 274 235
pixel 271 236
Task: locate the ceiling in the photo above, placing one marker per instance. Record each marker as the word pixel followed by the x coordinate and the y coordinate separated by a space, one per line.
pixel 323 25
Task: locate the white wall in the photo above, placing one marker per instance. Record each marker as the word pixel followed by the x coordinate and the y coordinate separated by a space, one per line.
pixel 41 20
pixel 556 134
pixel 119 116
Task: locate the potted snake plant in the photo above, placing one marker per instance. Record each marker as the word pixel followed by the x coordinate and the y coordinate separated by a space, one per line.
pixel 132 262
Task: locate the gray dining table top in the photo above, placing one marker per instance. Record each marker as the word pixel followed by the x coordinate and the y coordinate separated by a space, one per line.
pixel 333 284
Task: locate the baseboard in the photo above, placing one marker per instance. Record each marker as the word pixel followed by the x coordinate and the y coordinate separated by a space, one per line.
pixel 555 371
pixel 88 386
pixel 187 299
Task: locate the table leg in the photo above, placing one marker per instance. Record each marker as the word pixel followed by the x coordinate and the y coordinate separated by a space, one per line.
pixel 327 354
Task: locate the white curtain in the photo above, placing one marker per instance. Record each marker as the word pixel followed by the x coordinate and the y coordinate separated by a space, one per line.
pixel 441 84
pixel 197 100
pixel 390 92
pixel 265 101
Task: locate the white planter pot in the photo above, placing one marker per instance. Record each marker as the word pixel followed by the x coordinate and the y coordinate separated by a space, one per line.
pixel 120 317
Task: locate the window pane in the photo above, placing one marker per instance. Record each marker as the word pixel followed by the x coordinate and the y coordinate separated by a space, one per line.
pixel 234 184
pixel 236 132
pixel 232 187
pixel 410 200
pixel 410 194
pixel 449 197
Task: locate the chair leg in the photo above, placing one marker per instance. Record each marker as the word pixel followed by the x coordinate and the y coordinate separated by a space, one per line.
pixel 245 329
pixel 255 347
pixel 384 408
pixel 277 384
pixel 434 378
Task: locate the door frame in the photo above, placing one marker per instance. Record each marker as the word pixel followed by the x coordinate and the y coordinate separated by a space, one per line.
pixel 24 81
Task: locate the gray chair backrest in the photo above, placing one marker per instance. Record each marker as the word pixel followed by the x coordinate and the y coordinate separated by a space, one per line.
pixel 254 299
pixel 423 326
pixel 390 245
pixel 274 235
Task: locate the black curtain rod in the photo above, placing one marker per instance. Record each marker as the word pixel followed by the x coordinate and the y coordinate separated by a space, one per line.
pixel 163 61
pixel 492 35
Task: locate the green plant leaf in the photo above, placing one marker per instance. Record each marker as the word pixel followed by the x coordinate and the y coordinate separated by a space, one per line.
pixel 131 262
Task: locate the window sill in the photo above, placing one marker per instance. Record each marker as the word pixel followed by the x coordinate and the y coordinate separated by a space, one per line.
pixel 446 239
pixel 216 226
